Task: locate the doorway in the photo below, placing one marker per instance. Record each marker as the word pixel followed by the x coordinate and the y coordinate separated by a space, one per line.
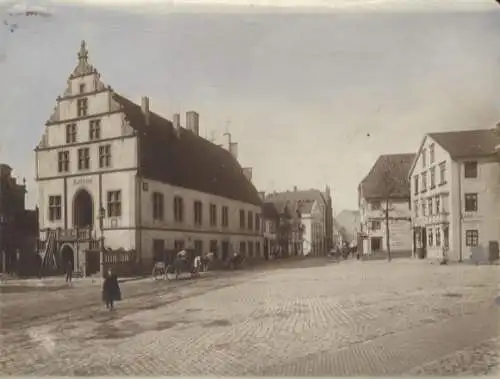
pixel 83 210
pixel 376 244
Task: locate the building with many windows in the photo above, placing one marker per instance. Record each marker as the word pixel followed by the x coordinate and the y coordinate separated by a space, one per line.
pixel 385 192
pixel 455 192
pixel 113 174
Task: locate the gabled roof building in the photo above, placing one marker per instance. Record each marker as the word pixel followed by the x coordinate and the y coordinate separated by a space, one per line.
pixel 386 188
pixel 114 174
pixel 455 194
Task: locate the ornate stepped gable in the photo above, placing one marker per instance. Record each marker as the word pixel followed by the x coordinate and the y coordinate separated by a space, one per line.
pixel 170 155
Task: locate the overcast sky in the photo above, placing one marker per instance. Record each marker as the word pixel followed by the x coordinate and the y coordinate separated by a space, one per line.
pixel 313 98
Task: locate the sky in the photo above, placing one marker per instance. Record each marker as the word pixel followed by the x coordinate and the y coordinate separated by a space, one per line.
pixel 312 96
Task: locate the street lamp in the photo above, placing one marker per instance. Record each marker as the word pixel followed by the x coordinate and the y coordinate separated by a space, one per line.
pixel 3 221
pixel 102 215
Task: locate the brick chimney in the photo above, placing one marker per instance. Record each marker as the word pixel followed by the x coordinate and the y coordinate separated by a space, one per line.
pixel 262 195
pixel 227 141
pixel 145 109
pixel 294 188
pixel 233 149
pixel 193 122
pixel 176 122
pixel 247 171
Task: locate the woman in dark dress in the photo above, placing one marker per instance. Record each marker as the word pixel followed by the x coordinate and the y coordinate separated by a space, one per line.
pixel 111 290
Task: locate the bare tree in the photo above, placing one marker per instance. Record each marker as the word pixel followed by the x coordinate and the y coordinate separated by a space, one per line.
pixel 389 185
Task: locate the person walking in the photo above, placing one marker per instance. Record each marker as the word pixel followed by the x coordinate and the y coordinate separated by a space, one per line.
pixel 69 272
pixel 111 290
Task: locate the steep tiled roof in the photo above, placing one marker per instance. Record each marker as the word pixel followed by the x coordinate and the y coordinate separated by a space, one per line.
pixel 269 210
pixel 185 159
pixel 388 176
pixel 468 143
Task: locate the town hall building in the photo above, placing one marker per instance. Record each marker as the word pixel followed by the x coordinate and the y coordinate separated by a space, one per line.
pixel 112 174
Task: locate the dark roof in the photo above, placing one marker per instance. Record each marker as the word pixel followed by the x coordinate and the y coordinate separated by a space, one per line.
pixel 269 210
pixel 186 159
pixel 388 176
pixel 468 143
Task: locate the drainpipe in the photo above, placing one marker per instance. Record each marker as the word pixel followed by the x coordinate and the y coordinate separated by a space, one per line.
pixel 460 244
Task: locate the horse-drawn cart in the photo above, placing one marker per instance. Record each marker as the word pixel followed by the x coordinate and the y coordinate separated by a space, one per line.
pixel 174 265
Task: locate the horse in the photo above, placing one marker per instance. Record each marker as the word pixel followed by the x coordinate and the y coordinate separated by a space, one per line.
pixel 206 259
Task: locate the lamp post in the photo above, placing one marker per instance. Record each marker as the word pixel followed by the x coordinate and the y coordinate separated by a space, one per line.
pixel 102 214
pixel 3 221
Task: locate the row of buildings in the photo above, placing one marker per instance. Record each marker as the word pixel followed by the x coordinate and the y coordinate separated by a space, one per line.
pixel 113 175
pixel 443 199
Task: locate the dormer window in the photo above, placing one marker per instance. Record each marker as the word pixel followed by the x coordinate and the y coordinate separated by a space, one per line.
pixel 82 87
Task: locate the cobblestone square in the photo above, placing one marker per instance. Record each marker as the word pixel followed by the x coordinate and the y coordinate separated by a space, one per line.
pixel 348 318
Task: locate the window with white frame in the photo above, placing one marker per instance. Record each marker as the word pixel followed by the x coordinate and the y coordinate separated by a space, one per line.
pixel 431 153
pixel 70 133
pixel 105 156
pixel 94 129
pixel 83 158
pixel 198 212
pixel 471 238
pixel 471 202
pixel 430 237
pixel 158 206
pixel 442 173
pixel 429 206
pixel 55 206
pixel 82 105
pixel 178 209
pixel 63 161
pixel 114 203
pixel 375 225
pixel 433 177
pixel 213 214
pixel 225 216
pixel 470 170
pixel 424 181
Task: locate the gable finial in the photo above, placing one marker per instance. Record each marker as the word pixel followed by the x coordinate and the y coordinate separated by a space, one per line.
pixel 83 54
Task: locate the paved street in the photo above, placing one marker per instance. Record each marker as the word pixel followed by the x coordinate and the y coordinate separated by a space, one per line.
pixel 348 318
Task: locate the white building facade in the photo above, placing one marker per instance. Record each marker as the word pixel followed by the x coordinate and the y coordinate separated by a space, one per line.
pixel 113 174
pixel 386 185
pixel 455 190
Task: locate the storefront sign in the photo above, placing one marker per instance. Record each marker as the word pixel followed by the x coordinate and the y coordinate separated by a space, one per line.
pixel 82 181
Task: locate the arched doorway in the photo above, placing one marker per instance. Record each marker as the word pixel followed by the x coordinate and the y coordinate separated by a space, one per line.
pixel 83 210
pixel 67 255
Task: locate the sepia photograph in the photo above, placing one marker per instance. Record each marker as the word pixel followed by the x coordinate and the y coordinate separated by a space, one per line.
pixel 261 188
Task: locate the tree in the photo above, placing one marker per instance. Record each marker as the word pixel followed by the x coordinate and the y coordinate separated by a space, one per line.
pixel 389 186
